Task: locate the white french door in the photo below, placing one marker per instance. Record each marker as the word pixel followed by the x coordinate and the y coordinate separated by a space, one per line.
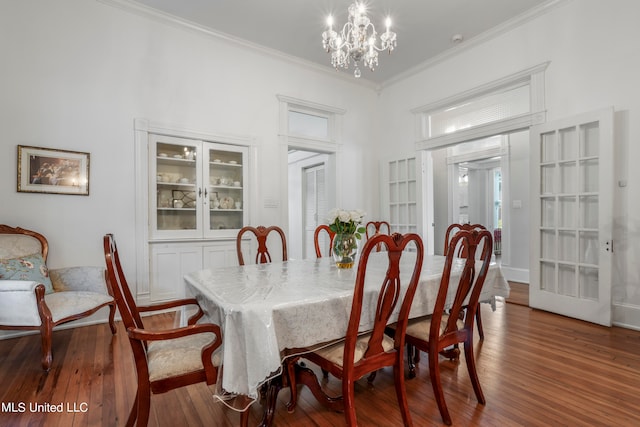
pixel 571 218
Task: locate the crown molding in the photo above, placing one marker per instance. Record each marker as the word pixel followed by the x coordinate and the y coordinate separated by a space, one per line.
pixel 136 8
pixel 490 34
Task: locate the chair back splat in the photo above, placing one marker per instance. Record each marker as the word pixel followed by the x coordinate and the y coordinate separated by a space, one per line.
pixel 261 234
pixel 364 352
pixel 323 228
pixel 459 252
pixel 452 321
pixel 373 228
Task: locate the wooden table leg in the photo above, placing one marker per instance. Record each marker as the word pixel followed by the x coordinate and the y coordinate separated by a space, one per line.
pixel 273 387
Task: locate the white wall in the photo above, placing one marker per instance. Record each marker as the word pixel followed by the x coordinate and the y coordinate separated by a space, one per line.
pixel 592 47
pixel 75 74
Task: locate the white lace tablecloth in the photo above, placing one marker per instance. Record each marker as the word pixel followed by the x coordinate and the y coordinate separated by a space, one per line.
pixel 266 308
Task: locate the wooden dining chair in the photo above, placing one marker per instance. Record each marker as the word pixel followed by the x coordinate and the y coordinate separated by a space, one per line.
pixel 261 234
pixel 453 324
pixel 317 235
pixel 373 228
pixel 451 231
pixel 364 352
pixel 167 359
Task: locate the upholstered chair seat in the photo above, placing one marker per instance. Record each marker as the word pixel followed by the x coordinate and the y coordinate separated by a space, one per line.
pixel 420 328
pixel 335 353
pixel 171 358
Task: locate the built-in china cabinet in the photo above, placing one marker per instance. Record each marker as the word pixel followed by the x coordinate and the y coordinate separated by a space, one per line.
pixel 196 197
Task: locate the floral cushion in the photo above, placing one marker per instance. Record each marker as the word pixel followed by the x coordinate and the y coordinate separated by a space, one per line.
pixel 28 267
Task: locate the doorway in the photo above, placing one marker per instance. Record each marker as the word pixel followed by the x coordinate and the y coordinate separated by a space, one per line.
pixel 309 198
pixel 486 181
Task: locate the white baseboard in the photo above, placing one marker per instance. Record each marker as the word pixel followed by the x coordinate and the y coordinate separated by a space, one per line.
pixel 626 316
pixel 515 274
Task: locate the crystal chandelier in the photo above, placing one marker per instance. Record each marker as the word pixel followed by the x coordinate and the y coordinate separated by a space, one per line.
pixel 357 41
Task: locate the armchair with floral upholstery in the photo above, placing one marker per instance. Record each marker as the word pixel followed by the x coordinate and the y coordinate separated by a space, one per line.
pixel 35 298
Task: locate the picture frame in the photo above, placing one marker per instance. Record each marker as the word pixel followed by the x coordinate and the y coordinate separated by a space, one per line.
pixel 54 171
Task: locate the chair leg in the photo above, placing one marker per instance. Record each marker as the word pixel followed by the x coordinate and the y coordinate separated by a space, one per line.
pixel 434 373
pixel 401 392
pixel 348 392
pixel 290 371
pixel 133 414
pixel 411 353
pixel 46 332
pixel 479 322
pixel 144 405
pixel 473 373
pixel 112 318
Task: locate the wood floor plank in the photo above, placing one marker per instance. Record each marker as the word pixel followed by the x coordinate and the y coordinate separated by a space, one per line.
pixel 536 369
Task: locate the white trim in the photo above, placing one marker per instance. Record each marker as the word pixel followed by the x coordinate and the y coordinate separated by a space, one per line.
pixel 482 131
pixel 174 21
pixel 320 108
pixel 626 316
pixel 515 274
pixel 473 42
pixel 522 77
pixel 332 146
pixel 533 77
pixel 142 129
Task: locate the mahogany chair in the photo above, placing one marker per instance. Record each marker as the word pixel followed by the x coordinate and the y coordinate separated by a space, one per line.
pixel 448 326
pixel 33 297
pixel 261 233
pixel 323 228
pixel 451 231
pixel 363 353
pixel 166 359
pixel 373 228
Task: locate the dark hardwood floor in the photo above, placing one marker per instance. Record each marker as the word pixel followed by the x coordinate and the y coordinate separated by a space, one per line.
pixel 536 369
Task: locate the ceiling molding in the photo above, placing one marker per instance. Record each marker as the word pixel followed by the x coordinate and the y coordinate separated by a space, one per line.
pixel 136 8
pixel 477 40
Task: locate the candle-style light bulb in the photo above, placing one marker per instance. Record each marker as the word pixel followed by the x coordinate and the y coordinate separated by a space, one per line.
pixel 388 23
pixel 330 22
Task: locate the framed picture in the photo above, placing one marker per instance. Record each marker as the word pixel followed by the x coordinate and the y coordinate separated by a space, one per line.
pixel 48 170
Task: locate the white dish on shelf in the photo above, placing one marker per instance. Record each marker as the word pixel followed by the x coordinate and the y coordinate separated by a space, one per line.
pixel 183 180
pixel 177 156
pixel 233 162
pixel 217 161
pixel 236 183
pixel 227 203
pixel 162 155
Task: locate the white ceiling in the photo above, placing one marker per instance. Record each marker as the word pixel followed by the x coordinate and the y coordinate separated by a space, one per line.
pixel 294 27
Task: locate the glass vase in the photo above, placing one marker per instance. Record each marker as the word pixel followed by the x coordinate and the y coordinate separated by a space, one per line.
pixel 345 249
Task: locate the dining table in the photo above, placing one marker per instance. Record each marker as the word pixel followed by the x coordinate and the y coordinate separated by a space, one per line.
pixel 268 312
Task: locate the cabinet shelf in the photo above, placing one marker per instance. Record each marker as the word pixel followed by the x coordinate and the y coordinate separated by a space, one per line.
pixel 231 165
pixel 225 187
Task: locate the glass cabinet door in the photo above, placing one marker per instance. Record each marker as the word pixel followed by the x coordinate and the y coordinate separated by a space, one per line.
pixel 227 177
pixel 174 185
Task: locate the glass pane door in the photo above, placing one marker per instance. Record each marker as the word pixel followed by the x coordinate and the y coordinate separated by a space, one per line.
pixel 571 262
pixel 226 187
pixel 174 163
